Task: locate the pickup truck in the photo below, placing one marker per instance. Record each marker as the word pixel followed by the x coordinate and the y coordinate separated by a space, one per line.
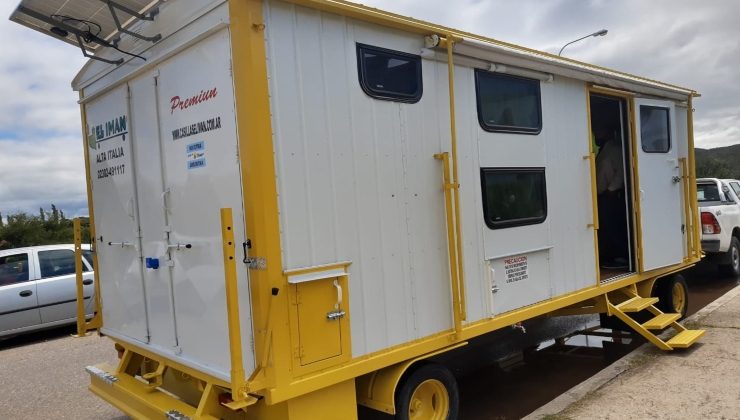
pixel 719 206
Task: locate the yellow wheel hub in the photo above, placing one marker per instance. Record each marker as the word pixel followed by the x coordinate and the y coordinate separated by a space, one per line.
pixel 679 297
pixel 430 401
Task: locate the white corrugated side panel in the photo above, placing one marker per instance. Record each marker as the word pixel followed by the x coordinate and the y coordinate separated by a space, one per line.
pixel 356 176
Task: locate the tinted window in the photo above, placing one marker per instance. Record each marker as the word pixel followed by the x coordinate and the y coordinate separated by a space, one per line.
pixel 707 192
pixel 655 129
pixel 390 75
pixel 735 187
pixel 514 197
pixel 88 256
pixel 59 262
pixel 508 103
pixel 13 269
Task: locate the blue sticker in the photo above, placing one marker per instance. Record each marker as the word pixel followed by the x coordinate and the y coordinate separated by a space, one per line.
pixel 197 163
pixel 195 147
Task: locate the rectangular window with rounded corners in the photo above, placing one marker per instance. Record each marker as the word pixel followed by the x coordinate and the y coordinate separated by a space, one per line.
pixel 655 129
pixel 507 103
pixel 57 262
pixel 13 269
pixel 389 75
pixel 513 196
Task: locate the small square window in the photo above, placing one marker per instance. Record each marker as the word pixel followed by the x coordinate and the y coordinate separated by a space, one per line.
pixel 508 103
pixel 389 75
pixel 655 131
pixel 513 196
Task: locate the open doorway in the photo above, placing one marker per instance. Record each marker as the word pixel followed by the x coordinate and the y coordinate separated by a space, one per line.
pixel 610 134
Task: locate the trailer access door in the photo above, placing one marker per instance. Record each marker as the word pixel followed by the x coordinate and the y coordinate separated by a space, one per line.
pixel 116 215
pixel 659 183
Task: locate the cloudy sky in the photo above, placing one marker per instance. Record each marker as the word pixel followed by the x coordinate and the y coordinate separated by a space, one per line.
pixel 688 43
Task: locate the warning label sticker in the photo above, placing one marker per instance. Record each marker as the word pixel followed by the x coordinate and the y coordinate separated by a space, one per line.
pixel 516 269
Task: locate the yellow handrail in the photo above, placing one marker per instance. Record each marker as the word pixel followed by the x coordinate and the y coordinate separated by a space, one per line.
pixel 455 179
pixel 451 248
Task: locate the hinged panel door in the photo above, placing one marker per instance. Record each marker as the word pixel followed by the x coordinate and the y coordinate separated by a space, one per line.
pixel 202 174
pixel 319 320
pixel 659 184
pixel 116 215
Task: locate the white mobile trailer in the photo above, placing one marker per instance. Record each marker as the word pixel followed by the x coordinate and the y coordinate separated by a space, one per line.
pixel 291 214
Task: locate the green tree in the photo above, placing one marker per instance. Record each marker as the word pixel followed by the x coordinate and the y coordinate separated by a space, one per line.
pixel 22 229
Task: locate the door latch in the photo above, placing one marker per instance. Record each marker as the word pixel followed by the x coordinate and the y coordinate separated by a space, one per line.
pixel 676 179
pixel 334 315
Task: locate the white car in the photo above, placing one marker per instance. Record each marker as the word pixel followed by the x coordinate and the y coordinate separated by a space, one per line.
pixel 38 288
pixel 719 206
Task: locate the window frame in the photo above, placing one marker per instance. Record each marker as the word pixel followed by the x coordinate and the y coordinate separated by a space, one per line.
pixel 505 128
pixel 522 221
pixel 668 123
pixel 383 94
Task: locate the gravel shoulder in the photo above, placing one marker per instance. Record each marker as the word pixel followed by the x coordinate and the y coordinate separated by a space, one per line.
pixel 42 375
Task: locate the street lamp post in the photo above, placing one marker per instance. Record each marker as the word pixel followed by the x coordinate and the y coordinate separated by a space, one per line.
pixel 597 33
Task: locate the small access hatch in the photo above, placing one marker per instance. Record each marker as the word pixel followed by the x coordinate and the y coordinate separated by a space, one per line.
pixel 319 316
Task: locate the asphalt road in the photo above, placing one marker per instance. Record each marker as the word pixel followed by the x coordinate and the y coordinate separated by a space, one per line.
pixel 42 375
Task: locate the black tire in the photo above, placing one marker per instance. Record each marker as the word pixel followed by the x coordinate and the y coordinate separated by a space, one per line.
pixel 672 300
pixel 733 259
pixel 421 374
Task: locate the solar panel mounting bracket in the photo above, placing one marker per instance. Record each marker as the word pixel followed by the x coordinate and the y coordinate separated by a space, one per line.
pixel 150 15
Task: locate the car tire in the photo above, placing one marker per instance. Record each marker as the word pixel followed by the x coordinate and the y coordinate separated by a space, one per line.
pixel 673 295
pixel 428 391
pixel 733 257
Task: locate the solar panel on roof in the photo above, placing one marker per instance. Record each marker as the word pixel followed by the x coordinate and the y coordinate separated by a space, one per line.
pixel 89 24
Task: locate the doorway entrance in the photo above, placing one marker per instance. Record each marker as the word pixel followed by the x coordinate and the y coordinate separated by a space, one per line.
pixel 614 186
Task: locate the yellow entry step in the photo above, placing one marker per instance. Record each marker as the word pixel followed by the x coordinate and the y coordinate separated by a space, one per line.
pixel 661 321
pixel 637 304
pixel 684 338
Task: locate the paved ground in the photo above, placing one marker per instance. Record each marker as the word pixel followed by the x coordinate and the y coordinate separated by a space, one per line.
pixel 699 383
pixel 43 376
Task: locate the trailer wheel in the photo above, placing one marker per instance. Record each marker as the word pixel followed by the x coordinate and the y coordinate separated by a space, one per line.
pixel 733 257
pixel 428 392
pixel 673 295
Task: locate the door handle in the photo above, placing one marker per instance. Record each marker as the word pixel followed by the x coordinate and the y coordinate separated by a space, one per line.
pixel 339 295
pixel 25 293
pixel 87 282
pixel 676 179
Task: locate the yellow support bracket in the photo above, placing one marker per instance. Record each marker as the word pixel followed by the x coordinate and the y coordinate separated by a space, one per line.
pixel 83 326
pixel 238 382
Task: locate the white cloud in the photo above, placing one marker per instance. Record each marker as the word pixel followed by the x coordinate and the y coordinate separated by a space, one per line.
pixel 691 44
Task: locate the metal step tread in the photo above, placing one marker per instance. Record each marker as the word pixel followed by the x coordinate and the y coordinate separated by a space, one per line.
pixel 685 339
pixel 636 304
pixel 661 321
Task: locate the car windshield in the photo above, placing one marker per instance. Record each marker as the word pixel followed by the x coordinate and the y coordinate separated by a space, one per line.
pixel 707 192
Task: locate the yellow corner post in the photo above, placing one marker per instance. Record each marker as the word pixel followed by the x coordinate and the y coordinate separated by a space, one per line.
pixel 238 390
pixel 256 152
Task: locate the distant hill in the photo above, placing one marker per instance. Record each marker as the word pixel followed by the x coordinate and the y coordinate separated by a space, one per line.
pixel 720 162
